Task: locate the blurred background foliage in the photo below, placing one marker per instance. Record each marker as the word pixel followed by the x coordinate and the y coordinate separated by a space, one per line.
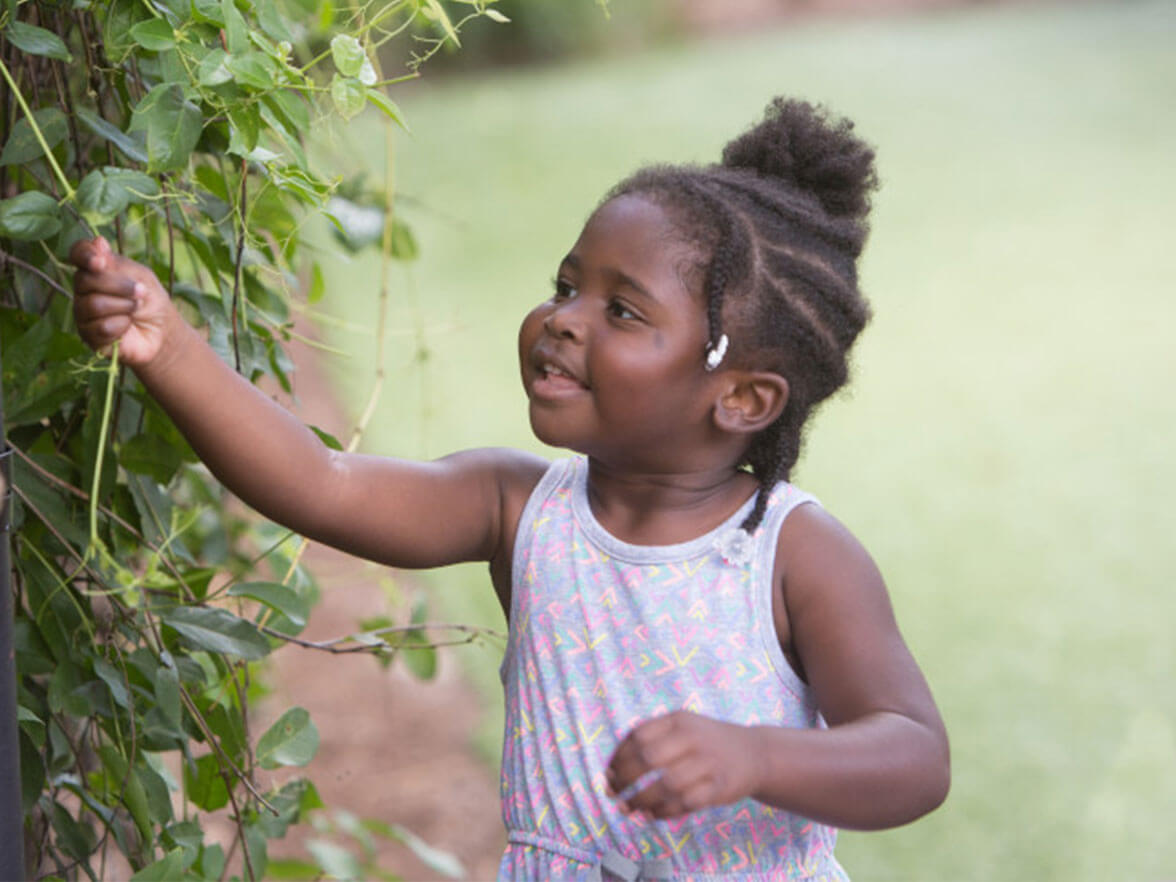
pixel 1004 449
pixel 551 31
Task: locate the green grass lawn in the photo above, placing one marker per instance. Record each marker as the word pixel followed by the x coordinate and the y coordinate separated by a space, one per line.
pixel 1005 449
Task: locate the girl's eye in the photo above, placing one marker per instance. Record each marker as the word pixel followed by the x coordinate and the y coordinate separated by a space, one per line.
pixel 619 309
pixel 563 290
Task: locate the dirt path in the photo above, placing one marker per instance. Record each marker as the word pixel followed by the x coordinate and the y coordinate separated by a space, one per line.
pixel 392 748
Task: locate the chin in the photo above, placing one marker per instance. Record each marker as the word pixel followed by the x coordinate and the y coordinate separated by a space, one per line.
pixel 553 432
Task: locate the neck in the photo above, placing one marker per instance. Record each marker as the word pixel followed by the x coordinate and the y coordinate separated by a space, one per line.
pixel 659 508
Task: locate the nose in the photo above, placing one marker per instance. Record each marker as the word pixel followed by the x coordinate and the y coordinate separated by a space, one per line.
pixel 565 321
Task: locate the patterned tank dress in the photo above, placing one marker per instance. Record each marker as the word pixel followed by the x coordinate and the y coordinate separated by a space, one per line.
pixel 605 635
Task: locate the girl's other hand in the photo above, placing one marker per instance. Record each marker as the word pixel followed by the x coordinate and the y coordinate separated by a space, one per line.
pixel 682 762
pixel 118 299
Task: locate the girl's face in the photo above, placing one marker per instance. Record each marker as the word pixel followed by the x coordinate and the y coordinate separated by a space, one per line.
pixel 613 363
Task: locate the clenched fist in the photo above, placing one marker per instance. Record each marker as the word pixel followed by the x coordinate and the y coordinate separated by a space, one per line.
pixel 117 299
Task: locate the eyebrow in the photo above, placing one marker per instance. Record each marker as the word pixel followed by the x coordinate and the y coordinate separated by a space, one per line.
pixel 620 277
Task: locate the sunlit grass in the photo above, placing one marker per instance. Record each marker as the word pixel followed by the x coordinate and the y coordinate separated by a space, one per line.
pixel 1005 450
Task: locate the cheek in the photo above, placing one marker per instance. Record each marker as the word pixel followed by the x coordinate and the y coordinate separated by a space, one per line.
pixel 530 330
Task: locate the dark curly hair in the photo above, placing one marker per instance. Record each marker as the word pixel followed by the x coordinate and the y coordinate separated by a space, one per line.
pixel 779 225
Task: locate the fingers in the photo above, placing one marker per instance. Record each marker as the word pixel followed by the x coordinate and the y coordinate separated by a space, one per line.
pixel 99 306
pixel 88 283
pixel 101 332
pixel 104 305
pixel 679 763
pixel 91 254
pixel 650 769
pixel 683 788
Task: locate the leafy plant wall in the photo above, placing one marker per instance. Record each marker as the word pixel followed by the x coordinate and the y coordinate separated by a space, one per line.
pixel 145 603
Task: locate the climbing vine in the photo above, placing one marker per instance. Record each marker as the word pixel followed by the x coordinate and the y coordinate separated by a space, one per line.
pixel 144 603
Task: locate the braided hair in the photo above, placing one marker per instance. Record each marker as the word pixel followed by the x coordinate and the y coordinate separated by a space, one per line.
pixel 779 225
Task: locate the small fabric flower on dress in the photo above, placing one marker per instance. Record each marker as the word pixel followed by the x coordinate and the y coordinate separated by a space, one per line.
pixel 735 547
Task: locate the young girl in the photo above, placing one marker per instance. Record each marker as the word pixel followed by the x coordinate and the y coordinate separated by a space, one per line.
pixel 703 676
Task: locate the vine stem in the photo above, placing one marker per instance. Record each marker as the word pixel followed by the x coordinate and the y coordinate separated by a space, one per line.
pixel 356 643
pixel 69 190
pixel 238 265
pixel 100 453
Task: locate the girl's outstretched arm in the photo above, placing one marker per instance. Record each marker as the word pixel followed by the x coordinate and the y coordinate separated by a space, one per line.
pixel 408 514
pixel 883 760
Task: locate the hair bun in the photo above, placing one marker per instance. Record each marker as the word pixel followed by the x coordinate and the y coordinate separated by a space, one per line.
pixel 800 144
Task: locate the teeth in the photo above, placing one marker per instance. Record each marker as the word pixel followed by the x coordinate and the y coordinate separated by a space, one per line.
pixel 551 370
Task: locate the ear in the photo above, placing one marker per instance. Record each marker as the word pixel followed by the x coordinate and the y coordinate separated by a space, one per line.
pixel 750 402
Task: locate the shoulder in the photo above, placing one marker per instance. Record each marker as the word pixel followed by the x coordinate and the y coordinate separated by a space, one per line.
pixel 811 537
pixel 823 580
pixel 839 620
pixel 504 478
pixel 820 562
pixel 505 475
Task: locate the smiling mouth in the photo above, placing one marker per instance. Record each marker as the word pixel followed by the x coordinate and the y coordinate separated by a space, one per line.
pixel 552 381
pixel 553 372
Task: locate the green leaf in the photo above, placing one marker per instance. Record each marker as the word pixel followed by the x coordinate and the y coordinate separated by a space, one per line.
pixel 148 454
pixel 139 187
pixel 357 226
pixel 439 861
pixel 120 139
pixel 23 145
pixel 324 436
pixel 286 114
pixel 205 785
pixel 254 840
pixel 158 784
pixel 187 835
pixel 418 656
pixel 271 21
pixel 125 785
pixel 213 69
pixel 279 598
pixel 155 34
pixel 387 106
pixel 37 41
pixel 209 12
pixel 292 803
pixel 43 389
pixel 336 861
pixel 75 839
pixel 177 12
pixel 402 243
pixel 167 695
pixel 348 55
pixel 172 123
pixel 211 863
pixel 31 216
pixel 349 95
pixel 117 21
pixel 114 681
pixel 290 109
pixel 166 869
pixel 31 725
pixel 101 196
pixel 236 31
pixel 495 15
pixel 291 741
pixel 217 630
pixel 367 73
pixel 289 868
pixel 253 69
pixel 435 11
